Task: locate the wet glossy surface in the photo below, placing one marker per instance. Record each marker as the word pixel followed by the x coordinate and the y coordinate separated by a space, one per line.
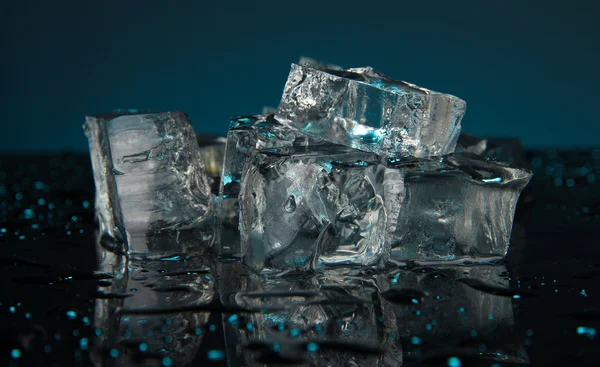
pixel 543 304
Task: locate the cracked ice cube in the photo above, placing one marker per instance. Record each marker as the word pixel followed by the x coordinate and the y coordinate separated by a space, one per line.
pixel 149 178
pixel 459 208
pixel 313 206
pixel 365 110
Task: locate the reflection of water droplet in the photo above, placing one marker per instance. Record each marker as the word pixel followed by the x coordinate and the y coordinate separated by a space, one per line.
pixel 290 204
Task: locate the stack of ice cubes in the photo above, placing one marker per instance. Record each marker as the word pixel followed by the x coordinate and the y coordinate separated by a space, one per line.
pixel 357 169
pixel 353 169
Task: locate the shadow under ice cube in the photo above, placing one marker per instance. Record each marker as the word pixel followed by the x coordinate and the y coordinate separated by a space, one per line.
pixel 149 179
pixel 315 206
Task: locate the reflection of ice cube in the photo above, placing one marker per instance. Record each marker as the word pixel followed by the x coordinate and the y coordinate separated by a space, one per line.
pixel 459 208
pixel 127 336
pixel 313 206
pixel 246 133
pixel 149 176
pixel 453 319
pixel 365 110
pixel 300 315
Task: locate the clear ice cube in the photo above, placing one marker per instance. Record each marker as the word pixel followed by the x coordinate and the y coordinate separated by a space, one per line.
pixel 149 179
pixel 459 208
pixel 315 206
pixel 365 110
pixel 247 133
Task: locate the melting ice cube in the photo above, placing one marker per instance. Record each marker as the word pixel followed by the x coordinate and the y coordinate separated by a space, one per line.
pixel 149 179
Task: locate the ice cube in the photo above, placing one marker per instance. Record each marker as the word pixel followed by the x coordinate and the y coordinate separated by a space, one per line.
pixel 149 178
pixel 315 206
pixel 365 110
pixel 246 133
pixel 459 208
pixel 452 317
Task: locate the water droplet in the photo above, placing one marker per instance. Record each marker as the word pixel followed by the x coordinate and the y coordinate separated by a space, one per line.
pixel 216 354
pixel 454 362
pixel 290 204
pixel 415 340
pixel 15 353
pixel 71 315
pixel 312 347
pixel 167 362
pixel 233 319
pixel 143 347
pixel 114 353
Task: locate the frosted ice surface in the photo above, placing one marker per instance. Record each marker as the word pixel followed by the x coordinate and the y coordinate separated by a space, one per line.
pixel 365 110
pixel 149 178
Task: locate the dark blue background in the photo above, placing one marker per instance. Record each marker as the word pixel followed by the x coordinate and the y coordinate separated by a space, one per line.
pixel 525 68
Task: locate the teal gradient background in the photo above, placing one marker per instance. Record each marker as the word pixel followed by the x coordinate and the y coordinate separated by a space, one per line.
pixel 525 68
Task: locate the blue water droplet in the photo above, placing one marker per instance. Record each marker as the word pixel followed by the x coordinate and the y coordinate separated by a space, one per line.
pixel 83 343
pixel 212 328
pixel 12 309
pixel 587 331
pixel 312 347
pixel 454 362
pixel 143 347
pixel 114 353
pixel 167 362
pixel 216 354
pixel 294 332
pixel 233 319
pixel 15 353
pixel 415 340
pixel 71 315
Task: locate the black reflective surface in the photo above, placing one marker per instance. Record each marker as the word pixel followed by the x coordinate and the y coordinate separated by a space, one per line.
pixel 57 307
